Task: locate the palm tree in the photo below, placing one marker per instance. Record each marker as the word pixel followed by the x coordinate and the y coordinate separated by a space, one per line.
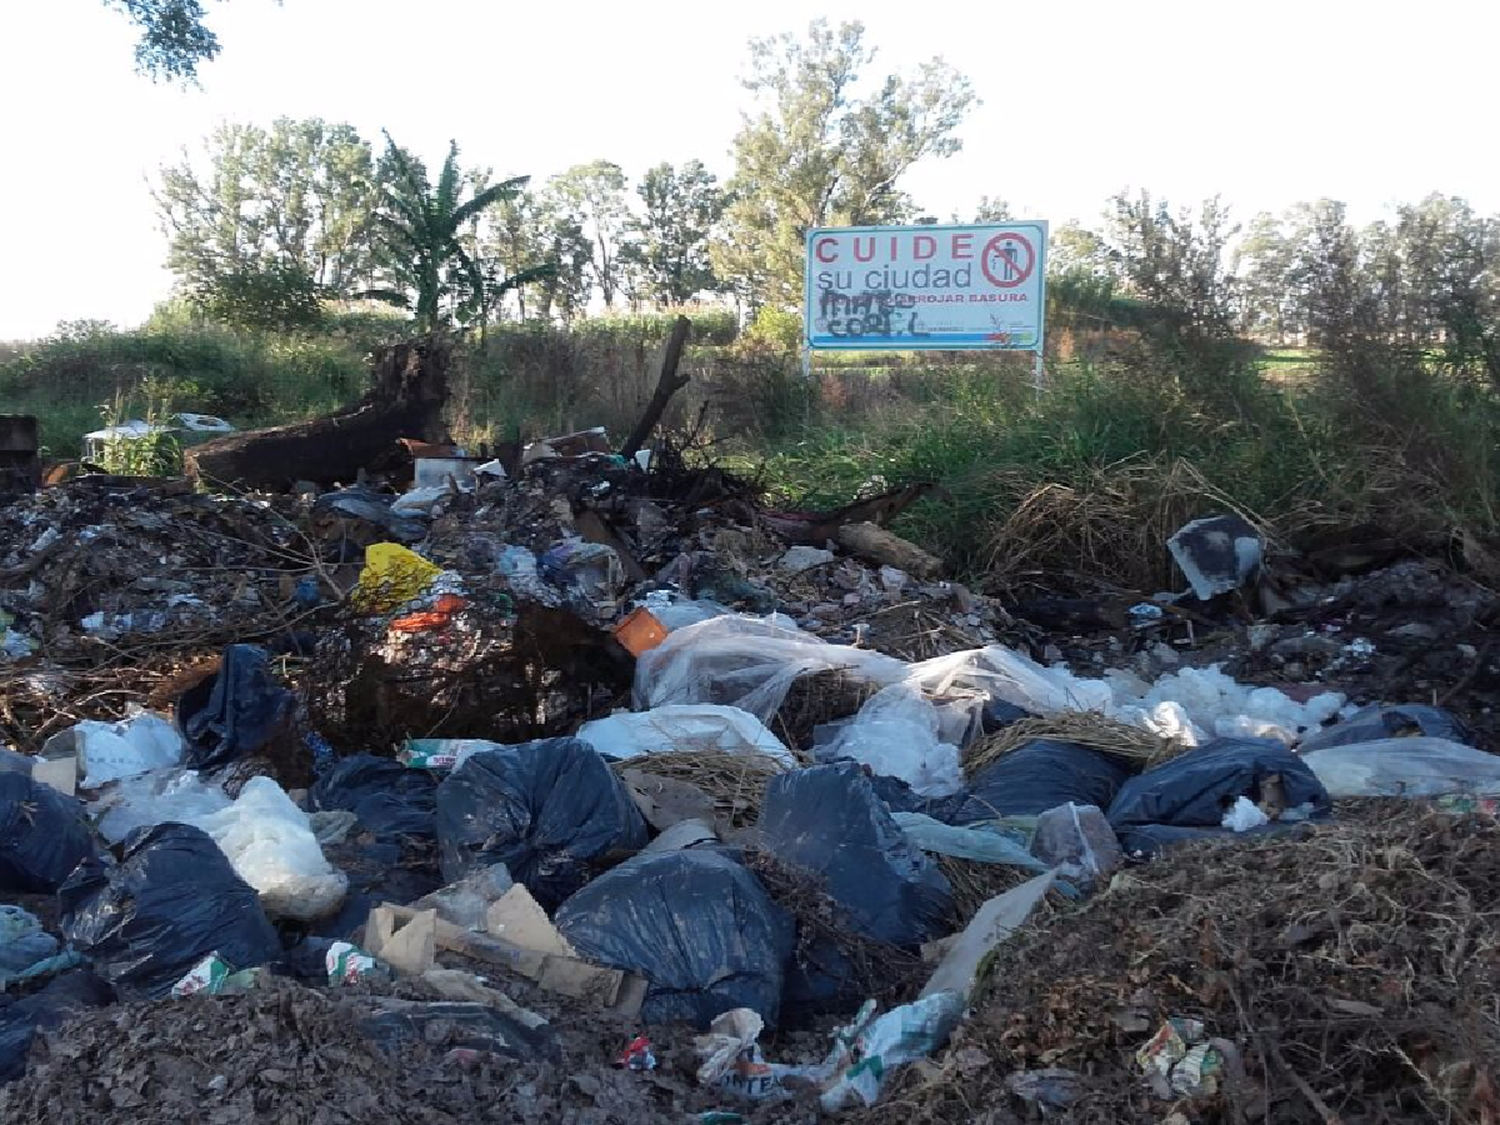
pixel 420 228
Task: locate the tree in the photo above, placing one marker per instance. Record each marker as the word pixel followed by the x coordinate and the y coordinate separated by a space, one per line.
pixel 594 194
pixel 1269 307
pixel 174 37
pixel 570 252
pixel 669 248
pixel 297 196
pixel 1176 262
pixel 422 227
pixel 992 209
pixel 1452 262
pixel 818 153
pixel 1073 249
pixel 278 297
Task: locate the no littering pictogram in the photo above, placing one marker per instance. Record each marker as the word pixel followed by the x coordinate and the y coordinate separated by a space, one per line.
pixel 1008 259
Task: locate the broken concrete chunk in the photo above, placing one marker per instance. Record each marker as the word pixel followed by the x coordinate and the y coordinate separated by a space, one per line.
pixel 1217 554
pixel 798 559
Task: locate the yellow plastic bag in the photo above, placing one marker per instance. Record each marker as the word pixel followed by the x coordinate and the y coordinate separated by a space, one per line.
pixel 392 576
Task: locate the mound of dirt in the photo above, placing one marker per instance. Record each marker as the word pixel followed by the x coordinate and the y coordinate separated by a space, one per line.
pixel 1352 968
pixel 287 1053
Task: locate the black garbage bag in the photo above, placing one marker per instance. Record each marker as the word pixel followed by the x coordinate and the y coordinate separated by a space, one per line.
pixel 998 714
pixel 172 900
pixel 398 806
pixel 545 809
pixel 235 712
pixel 1194 790
pixel 65 997
pixel 43 836
pixel 828 820
pixel 901 797
pixel 696 924
pixel 392 801
pixel 1371 724
pixel 1041 775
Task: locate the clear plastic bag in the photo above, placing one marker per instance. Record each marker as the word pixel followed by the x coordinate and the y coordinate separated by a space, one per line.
pixel 749 663
pixel 178 796
pixel 1079 836
pixel 1405 767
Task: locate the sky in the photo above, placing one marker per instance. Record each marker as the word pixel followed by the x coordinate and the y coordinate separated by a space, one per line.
pixel 1365 101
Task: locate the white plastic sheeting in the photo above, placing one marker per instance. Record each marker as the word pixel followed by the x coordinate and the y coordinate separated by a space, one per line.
pixel 268 840
pixel 897 734
pixel 1406 767
pixel 750 663
pixel 683 726
pixel 1197 704
pixel 111 751
pixel 179 796
pixel 271 845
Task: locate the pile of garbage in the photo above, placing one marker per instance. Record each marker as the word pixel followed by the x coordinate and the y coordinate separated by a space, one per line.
pixel 601 790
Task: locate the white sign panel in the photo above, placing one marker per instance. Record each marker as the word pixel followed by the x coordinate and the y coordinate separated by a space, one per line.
pixel 927 288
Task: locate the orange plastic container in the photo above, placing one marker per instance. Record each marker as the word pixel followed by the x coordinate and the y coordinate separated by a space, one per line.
pixel 640 632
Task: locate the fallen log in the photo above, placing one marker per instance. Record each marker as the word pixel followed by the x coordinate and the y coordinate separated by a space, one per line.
pixel 813 529
pixel 407 400
pixel 875 544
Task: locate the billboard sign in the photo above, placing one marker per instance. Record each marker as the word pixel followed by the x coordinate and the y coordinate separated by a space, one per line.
pixel 927 288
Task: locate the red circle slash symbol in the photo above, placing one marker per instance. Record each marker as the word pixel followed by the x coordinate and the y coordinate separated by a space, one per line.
pixel 1008 260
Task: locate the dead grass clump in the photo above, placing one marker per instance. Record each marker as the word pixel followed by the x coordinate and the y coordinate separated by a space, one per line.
pixel 1111 528
pixel 736 782
pixel 975 882
pixel 1353 967
pixel 885 972
pixel 1097 731
pixel 818 698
